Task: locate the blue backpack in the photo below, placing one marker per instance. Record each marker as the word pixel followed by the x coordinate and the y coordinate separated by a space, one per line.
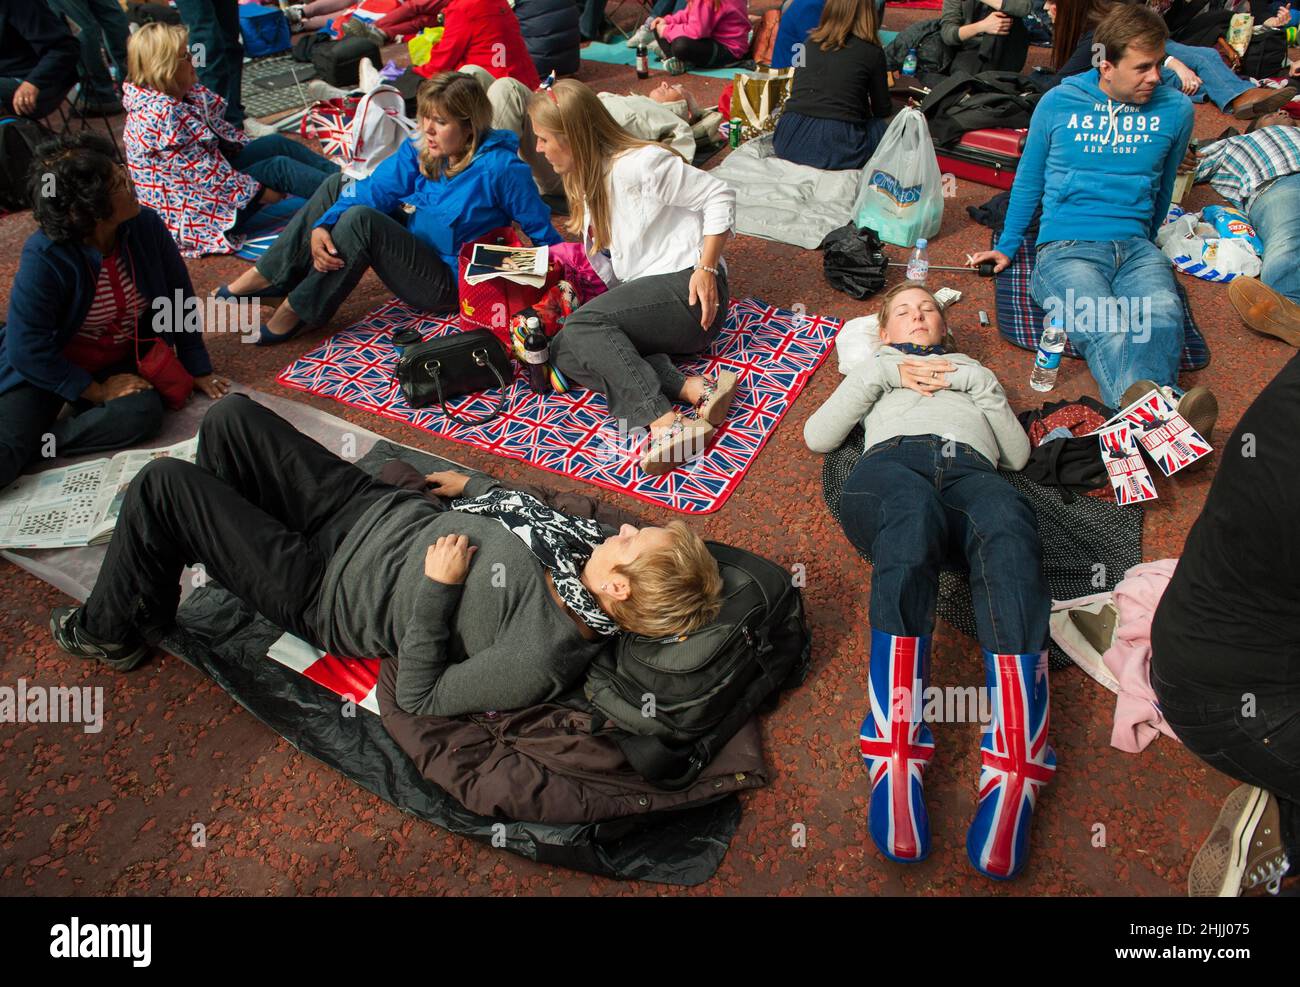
pixel 265 30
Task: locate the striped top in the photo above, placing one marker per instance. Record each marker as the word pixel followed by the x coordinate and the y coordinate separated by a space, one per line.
pixel 107 335
pixel 1238 167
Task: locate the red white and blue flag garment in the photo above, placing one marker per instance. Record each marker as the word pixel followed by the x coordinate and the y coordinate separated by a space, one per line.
pixel 173 150
pixel 1016 761
pixel 897 746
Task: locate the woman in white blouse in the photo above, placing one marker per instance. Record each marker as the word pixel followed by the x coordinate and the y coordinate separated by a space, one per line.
pixel 654 228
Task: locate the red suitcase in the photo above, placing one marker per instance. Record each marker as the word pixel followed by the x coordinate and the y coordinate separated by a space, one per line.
pixel 985 156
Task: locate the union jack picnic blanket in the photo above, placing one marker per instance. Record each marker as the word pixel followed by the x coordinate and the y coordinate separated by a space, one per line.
pixel 775 352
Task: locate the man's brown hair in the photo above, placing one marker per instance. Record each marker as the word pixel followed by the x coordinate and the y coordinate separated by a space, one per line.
pixel 1128 27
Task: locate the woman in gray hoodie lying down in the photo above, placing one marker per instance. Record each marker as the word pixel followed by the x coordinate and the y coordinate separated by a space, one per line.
pixel 498 602
pixel 927 491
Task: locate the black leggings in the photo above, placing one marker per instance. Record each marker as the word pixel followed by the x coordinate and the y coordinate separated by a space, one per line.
pixel 702 53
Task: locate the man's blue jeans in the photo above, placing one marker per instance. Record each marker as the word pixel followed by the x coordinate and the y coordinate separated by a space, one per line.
pixel 1218 82
pixel 913 502
pixel 284 165
pixel 1275 214
pixel 1119 307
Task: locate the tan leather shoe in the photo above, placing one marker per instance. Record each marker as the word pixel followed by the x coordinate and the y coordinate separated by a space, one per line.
pixel 1258 101
pixel 1265 310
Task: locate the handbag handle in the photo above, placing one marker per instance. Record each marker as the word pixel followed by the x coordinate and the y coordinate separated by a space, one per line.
pixel 481 358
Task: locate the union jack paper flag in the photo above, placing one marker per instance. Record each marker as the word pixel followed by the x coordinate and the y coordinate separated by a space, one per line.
pixel 348 677
pixel 1129 477
pixel 775 352
pixel 1164 433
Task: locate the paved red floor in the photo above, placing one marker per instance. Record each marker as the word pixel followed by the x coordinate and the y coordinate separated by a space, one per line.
pixel 113 813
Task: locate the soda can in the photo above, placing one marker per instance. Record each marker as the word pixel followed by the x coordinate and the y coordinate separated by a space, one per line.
pixel 733 132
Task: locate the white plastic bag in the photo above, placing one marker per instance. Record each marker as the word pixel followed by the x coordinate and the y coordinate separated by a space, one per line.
pixel 1197 249
pixel 900 195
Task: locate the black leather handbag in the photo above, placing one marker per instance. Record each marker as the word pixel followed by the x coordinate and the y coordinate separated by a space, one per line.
pixel 449 366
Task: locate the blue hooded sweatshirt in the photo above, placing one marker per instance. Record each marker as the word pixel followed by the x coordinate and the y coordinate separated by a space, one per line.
pixel 495 190
pixel 1102 169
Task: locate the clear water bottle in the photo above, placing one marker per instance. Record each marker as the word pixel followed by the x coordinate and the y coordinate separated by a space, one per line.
pixel 1047 364
pixel 537 354
pixel 909 63
pixel 918 265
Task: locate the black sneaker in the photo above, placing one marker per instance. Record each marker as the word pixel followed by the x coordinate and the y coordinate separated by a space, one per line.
pixel 65 626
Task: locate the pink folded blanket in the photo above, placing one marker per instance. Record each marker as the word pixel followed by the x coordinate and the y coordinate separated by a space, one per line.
pixel 1137 716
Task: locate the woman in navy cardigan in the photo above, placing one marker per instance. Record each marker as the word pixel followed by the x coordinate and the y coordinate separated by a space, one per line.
pixel 81 305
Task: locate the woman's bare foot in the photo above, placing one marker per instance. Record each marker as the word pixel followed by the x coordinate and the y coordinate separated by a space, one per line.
pixel 662 424
pixel 250 282
pixel 694 390
pixel 284 321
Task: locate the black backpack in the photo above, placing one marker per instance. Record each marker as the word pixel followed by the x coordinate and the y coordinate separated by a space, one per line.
pixel 338 62
pixel 705 686
pixel 963 102
pixel 19 138
pixel 1265 55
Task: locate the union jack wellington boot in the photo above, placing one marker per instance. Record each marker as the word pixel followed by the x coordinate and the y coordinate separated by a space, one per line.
pixel 897 746
pixel 1016 761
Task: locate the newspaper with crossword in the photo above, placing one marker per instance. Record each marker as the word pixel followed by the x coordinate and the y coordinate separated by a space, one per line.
pixel 76 505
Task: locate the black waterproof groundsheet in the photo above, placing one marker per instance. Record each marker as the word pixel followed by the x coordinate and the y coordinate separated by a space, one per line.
pixel 222 637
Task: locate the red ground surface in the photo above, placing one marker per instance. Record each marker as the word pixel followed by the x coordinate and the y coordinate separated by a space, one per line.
pixel 112 813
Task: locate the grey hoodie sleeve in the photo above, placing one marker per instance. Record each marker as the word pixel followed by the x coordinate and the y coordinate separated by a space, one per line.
pixel 983 387
pixel 478 484
pixel 834 420
pixel 422 654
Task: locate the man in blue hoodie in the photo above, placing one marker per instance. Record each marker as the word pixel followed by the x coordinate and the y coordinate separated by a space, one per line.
pixel 1101 157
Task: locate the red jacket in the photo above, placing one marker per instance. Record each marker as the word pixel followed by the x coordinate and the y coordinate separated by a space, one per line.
pixel 474 30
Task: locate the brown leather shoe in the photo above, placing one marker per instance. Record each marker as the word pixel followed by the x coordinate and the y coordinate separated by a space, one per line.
pixel 1258 101
pixel 1200 408
pixel 1265 310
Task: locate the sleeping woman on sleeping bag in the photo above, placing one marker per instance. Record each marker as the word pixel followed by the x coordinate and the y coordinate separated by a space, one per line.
pixel 497 602
pixel 937 427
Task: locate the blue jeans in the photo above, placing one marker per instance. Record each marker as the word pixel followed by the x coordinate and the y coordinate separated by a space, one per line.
pixel 28 413
pixel 910 507
pixel 284 165
pixel 1218 82
pixel 103 26
pixel 1275 214
pixel 214 24
pixel 1119 307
